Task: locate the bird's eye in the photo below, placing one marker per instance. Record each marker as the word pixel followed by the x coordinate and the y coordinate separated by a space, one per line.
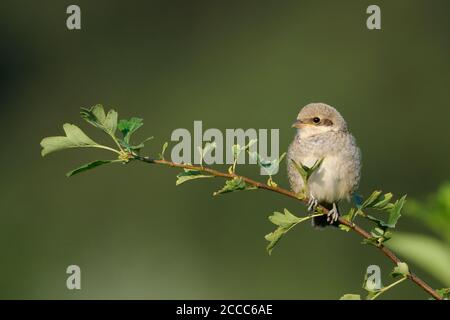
pixel 316 120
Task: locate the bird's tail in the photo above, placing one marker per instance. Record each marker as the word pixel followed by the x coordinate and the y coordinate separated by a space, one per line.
pixel 321 222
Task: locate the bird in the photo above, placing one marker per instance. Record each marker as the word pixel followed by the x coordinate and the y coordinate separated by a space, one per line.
pixel 323 135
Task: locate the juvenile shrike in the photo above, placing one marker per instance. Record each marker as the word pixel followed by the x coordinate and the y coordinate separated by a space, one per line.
pixel 322 133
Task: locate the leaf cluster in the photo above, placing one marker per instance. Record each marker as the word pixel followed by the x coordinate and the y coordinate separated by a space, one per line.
pixel 108 123
pixel 377 203
pixel 284 221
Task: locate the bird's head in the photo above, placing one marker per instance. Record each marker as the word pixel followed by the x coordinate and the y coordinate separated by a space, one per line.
pixel 317 118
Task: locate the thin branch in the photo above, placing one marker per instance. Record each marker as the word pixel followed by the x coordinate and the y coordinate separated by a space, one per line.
pixel 387 288
pixel 363 233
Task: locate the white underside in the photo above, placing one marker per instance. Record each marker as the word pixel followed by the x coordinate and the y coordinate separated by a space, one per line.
pixel 328 184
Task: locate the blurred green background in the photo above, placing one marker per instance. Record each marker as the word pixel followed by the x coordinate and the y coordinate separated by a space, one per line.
pixel 231 64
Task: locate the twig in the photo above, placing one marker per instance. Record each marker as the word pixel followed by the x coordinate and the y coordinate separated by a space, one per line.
pixel 387 288
pixel 363 233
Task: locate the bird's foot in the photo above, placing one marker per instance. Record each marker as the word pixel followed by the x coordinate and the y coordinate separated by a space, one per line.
pixel 312 203
pixel 333 214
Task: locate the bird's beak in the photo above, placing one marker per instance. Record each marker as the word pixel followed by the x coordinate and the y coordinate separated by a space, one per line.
pixel 297 124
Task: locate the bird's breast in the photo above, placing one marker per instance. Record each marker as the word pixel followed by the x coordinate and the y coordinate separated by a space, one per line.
pixel 328 183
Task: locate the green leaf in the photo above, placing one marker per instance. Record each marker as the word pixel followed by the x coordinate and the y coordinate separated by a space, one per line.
pixel 381 223
pixel 128 127
pixel 301 170
pixel 161 155
pixel 285 219
pixel 378 221
pixel 306 172
pixel 77 136
pixel 382 202
pixel 110 122
pixel 74 138
pixel 234 184
pixel 350 296
pixel 379 201
pixel 99 113
pixel 285 222
pixel 273 238
pixel 89 166
pixel 189 174
pixel 316 165
pixel 401 269
pixel 428 253
pixel 52 144
pixel 96 116
pixel 371 199
pixel 395 212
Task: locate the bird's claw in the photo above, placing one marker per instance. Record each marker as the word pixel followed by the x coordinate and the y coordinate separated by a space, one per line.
pixel 333 214
pixel 312 203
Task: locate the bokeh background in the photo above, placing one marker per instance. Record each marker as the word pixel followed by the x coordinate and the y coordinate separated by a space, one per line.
pixel 231 64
